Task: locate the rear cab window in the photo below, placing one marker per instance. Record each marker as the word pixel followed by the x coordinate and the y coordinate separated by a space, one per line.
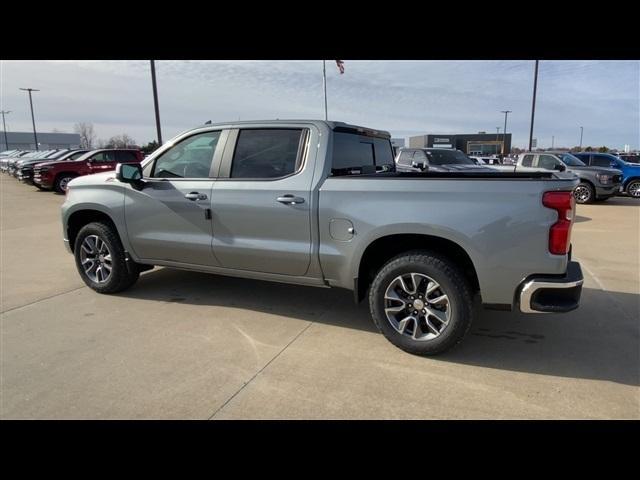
pixel 355 153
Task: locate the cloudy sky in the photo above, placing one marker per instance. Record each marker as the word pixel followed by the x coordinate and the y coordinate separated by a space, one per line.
pixel 404 97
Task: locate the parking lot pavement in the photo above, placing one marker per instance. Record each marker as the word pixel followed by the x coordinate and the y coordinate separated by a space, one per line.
pixel 190 345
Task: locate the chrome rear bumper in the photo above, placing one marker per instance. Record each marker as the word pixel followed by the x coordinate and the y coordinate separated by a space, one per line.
pixel 552 294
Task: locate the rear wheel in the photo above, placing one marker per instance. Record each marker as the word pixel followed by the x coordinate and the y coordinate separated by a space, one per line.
pixel 101 259
pixel 584 193
pixel 633 189
pixel 421 302
pixel 62 181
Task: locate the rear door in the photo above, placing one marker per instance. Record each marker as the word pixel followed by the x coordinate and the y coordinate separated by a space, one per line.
pixel 169 219
pixel 261 202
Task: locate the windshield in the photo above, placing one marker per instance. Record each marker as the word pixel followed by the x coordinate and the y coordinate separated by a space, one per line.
pixel 448 157
pixel 571 161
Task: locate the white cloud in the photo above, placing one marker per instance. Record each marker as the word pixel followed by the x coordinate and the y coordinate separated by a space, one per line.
pixel 405 97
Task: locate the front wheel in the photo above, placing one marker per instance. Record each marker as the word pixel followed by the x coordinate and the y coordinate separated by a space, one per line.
pixel 421 302
pixel 101 259
pixel 62 181
pixel 584 193
pixel 633 189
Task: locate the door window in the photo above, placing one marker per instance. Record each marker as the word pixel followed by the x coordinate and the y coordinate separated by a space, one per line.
pixel 191 158
pixel 267 153
pixel 527 161
pixel 125 156
pixel 547 162
pixel 75 155
pixel 405 158
pixel 104 157
pixel 599 161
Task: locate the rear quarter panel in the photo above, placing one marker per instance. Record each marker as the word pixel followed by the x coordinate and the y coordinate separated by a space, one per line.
pixel 501 224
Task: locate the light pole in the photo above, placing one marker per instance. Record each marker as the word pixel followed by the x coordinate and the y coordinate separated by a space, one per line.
pixel 581 131
pixel 504 132
pixel 533 104
pixel 33 120
pixel 552 140
pixel 497 136
pixel 155 101
pixel 4 127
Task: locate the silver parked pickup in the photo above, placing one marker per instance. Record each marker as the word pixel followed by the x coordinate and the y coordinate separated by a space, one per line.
pixel 321 204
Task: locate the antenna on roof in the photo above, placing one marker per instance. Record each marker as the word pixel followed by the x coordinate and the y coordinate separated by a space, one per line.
pixel 208 122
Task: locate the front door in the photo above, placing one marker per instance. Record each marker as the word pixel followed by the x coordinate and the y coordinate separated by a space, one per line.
pixel 262 202
pixel 169 218
pixel 102 161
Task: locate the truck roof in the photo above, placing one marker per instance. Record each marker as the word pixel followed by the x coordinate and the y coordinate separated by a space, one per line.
pixel 333 125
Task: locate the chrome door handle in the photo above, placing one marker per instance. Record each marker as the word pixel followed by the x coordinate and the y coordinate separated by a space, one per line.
pixel 290 199
pixel 196 196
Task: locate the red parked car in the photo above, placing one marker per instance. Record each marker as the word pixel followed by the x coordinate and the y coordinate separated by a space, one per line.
pixel 57 175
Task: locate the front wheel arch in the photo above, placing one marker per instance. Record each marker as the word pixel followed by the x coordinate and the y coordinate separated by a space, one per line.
pixel 80 218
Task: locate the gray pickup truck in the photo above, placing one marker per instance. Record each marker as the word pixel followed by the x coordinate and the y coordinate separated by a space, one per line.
pixel 595 183
pixel 320 203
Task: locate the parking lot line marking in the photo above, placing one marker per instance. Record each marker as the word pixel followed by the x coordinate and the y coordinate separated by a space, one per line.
pixel 615 302
pixel 42 299
pixel 260 371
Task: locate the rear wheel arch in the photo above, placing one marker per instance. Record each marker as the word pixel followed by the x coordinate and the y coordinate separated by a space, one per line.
pixel 383 249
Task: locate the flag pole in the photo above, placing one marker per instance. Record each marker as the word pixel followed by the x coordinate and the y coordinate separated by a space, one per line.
pixel 324 85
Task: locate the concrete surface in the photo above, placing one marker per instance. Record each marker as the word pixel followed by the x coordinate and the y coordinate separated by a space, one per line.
pixel 190 345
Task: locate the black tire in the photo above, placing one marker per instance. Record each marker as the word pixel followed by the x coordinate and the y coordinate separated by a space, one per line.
pixel 633 186
pixel 39 187
pixel 122 275
pixel 452 282
pixel 602 199
pixel 61 180
pixel 584 193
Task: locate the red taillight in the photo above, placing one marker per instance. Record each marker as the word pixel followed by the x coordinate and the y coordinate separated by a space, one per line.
pixel 560 232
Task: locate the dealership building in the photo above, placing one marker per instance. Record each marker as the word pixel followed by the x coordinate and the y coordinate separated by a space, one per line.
pixel 472 144
pixel 46 141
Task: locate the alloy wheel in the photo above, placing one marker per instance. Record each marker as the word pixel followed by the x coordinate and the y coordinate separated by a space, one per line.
pixel 416 306
pixel 95 258
pixel 64 182
pixel 582 194
pixel 634 189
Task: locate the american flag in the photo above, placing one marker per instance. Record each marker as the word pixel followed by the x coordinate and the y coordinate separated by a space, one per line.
pixel 340 65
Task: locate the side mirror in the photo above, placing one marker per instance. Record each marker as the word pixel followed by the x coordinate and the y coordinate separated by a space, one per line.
pixel 129 173
pixel 560 167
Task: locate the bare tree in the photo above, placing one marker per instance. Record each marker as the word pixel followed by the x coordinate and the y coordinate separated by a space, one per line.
pixel 120 141
pixel 87 134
